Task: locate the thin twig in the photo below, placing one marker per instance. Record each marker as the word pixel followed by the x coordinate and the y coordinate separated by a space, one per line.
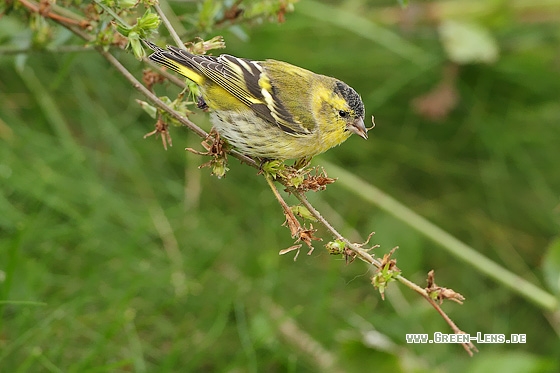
pixel 365 256
pixel 153 98
pixel 169 27
pixel 362 254
pixel 291 218
pixel 112 13
pixel 35 8
pixel 469 347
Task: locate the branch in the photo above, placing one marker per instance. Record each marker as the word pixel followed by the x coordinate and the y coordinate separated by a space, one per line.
pixel 169 27
pixel 45 12
pixel 366 257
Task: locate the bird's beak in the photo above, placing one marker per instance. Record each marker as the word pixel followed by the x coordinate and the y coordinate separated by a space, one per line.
pixel 358 127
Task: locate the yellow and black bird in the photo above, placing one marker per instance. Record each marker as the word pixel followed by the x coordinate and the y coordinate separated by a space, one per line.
pixel 270 109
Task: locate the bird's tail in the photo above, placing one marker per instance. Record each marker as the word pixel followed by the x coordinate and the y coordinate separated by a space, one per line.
pixel 177 60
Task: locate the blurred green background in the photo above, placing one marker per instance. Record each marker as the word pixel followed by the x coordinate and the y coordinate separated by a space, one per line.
pixel 118 256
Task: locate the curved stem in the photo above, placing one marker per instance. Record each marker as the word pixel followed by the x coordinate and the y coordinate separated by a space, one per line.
pixel 365 256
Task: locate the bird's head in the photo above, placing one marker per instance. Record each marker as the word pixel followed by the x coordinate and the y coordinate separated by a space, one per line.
pixel 349 109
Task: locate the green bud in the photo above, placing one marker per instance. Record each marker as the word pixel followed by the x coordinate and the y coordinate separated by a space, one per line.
pixel 166 100
pixel 151 110
pixel 335 247
pixel 42 30
pixel 147 23
pixel 219 167
pixel 104 37
pixel 136 45
pixel 109 3
pixel 273 167
pixel 217 42
pixel 383 277
pixel 126 4
pixel 201 47
pixel 297 180
pixel 166 117
pixel 303 212
pixel 123 30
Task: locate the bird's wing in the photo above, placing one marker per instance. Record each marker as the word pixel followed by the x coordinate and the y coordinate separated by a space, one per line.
pixel 247 81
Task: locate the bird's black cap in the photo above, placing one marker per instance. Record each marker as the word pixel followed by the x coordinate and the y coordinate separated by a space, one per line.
pixel 352 97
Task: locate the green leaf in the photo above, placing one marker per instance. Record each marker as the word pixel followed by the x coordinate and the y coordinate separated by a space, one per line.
pixel 151 110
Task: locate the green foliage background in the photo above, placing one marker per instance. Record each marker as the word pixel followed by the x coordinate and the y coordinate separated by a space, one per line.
pixel 116 255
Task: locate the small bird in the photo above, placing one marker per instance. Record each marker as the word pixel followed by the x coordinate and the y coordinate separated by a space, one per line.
pixel 270 109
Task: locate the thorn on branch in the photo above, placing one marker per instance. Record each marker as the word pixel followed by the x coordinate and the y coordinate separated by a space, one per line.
pixel 389 262
pixel 367 241
pixel 440 293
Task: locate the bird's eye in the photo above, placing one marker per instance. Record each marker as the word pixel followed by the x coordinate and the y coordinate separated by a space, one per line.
pixel 343 114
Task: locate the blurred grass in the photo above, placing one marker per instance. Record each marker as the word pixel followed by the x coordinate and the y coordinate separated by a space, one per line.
pixel 136 265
